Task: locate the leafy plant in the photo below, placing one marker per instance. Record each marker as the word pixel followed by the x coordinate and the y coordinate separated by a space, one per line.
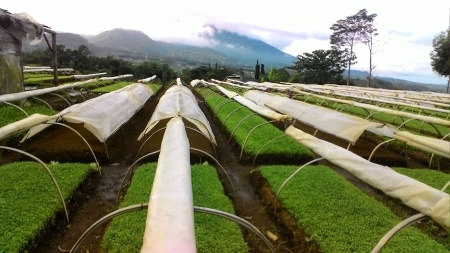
pixel 339 216
pixel 29 202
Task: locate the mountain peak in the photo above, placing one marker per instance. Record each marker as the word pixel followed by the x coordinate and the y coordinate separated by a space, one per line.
pixel 123 39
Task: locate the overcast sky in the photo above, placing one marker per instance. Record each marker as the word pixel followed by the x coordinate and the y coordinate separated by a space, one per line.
pixel 406 28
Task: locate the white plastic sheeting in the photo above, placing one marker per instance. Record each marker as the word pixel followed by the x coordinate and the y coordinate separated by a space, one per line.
pixel 115 77
pixel 356 94
pixel 338 124
pixel 23 124
pixel 25 94
pixel 179 101
pixel 89 75
pixel 428 144
pixel 147 80
pixel 103 115
pixel 424 118
pixel 28 70
pixel 232 84
pixel 170 218
pixel 413 193
pixel 432 145
pixel 263 111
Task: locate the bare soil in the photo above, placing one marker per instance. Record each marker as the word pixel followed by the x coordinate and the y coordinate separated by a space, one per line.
pixel 252 197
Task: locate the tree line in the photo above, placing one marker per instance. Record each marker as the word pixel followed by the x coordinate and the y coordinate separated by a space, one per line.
pixel 83 62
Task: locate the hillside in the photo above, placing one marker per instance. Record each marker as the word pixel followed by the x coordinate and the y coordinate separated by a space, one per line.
pixel 230 49
pixel 246 49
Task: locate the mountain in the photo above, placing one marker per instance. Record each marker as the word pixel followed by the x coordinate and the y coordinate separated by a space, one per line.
pixel 69 40
pixel 227 49
pixel 247 50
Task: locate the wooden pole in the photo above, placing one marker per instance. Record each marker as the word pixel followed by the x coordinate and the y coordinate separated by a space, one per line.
pixel 55 60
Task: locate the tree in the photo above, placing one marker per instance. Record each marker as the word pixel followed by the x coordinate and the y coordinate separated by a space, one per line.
pixel 350 31
pixel 368 40
pixel 440 55
pixel 257 70
pixel 321 66
pixel 278 75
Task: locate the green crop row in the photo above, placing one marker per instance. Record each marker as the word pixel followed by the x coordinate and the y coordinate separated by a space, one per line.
pixel 233 120
pixel 213 234
pixel 10 114
pixel 339 216
pixel 29 201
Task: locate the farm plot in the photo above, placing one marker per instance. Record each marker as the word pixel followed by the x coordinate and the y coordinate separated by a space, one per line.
pixel 238 172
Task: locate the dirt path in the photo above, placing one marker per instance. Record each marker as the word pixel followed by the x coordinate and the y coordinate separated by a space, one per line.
pixel 246 197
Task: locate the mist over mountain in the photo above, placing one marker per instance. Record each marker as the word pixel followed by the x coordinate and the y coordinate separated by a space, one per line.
pixel 246 49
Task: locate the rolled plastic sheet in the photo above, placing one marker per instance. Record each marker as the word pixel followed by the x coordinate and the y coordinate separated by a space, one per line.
pixel 180 101
pixel 229 94
pixel 195 82
pixel 31 70
pixel 89 75
pixel 336 123
pixel 115 77
pixel 25 94
pixel 263 111
pixel 408 115
pixel 355 94
pixel 23 124
pixel 147 80
pixel 415 194
pixel 432 145
pixel 232 84
pixel 169 227
pixel 103 115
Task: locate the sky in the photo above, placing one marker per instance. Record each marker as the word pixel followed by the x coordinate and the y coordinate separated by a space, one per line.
pixel 406 28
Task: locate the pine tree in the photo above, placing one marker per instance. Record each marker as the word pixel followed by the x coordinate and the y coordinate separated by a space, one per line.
pixel 257 70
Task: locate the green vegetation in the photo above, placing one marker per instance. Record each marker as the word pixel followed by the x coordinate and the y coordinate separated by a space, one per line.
pixel 213 234
pixel 440 62
pixel 12 114
pixel 283 147
pixel 29 201
pixel 340 217
pixel 44 80
pixel 320 67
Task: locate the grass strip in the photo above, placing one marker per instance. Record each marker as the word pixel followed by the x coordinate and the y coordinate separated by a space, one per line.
pixel 29 201
pixel 339 216
pixel 213 234
pixel 285 147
